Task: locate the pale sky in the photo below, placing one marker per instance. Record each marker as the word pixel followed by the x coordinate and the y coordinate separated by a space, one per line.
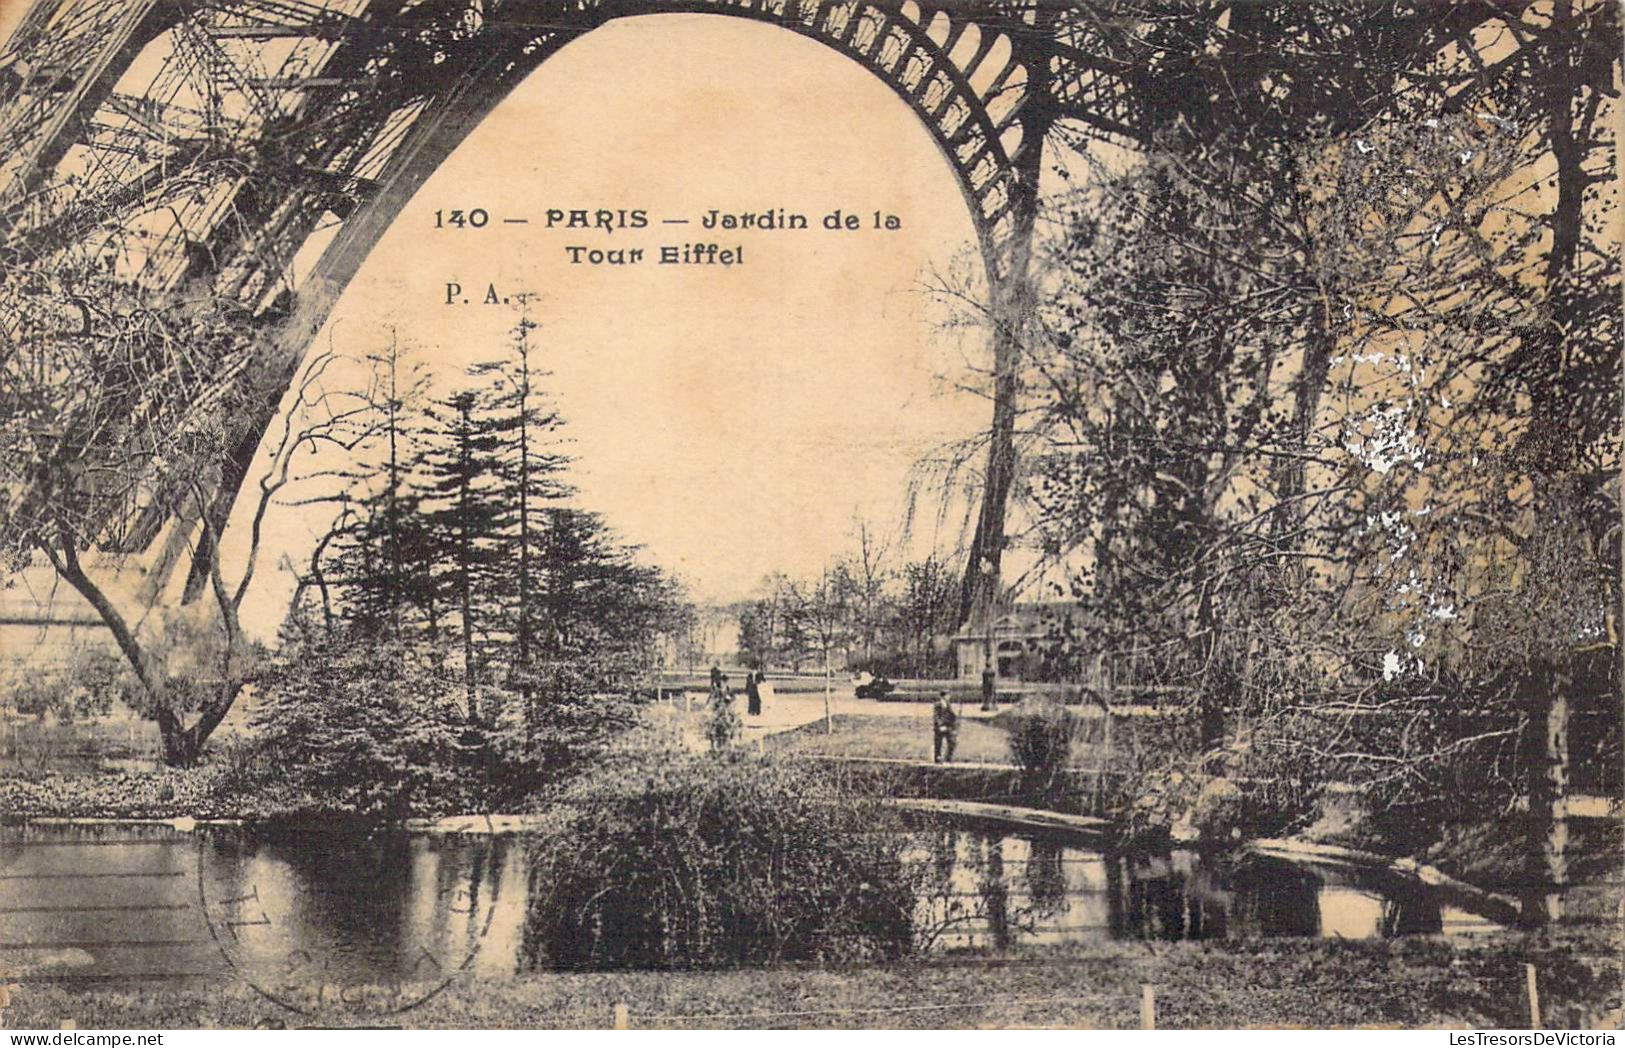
pixel 730 420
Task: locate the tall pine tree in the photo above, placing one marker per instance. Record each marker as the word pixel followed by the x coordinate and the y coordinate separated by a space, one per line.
pixel 465 510
pixel 376 562
pixel 522 426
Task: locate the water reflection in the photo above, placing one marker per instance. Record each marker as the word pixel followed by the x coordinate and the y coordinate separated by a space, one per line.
pixel 346 909
pixel 993 890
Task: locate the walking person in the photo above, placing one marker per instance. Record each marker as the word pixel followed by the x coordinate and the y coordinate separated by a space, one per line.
pixel 753 693
pixel 944 730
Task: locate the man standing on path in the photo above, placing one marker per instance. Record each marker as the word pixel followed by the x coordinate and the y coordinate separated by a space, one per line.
pixel 944 730
pixel 989 679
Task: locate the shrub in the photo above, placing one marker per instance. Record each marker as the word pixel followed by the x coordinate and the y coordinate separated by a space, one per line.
pixel 722 723
pixel 1041 745
pixel 362 725
pixel 86 686
pixel 706 861
pixel 532 746
pixel 365 729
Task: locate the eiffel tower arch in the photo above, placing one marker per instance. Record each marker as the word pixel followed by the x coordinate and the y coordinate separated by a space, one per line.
pixel 297 116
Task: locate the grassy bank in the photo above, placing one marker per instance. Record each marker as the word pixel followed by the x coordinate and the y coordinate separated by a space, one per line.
pixel 1405 983
pixel 165 793
pixel 898 738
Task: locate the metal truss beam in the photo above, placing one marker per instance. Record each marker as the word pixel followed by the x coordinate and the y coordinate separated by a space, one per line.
pixel 272 118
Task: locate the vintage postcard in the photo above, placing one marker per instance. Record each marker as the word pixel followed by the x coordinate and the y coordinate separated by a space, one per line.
pixel 774 514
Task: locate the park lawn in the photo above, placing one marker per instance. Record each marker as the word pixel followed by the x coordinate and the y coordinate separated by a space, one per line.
pixel 900 738
pixel 1260 983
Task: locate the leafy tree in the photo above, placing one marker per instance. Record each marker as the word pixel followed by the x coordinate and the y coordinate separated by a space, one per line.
pixel 926 609
pixel 112 429
pixel 86 686
pixel 868 580
pixel 762 624
pixel 373 558
pixel 682 627
pixel 862 614
pixel 1329 377
pixel 756 629
pixel 822 613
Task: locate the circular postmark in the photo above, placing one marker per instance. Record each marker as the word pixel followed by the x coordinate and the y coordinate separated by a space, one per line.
pixel 341 953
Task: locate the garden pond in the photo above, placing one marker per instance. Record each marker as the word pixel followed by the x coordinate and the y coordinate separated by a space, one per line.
pixel 128 902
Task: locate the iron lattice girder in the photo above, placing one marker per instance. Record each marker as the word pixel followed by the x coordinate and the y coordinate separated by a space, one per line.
pixel 337 111
pixel 305 136
pixel 983 110
pixel 1102 64
pixel 932 58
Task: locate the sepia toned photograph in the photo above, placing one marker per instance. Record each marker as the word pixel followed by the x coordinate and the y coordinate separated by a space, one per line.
pixel 811 514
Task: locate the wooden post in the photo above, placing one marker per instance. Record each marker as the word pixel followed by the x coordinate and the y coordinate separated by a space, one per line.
pixel 623 1019
pixel 1534 996
pixel 1148 1007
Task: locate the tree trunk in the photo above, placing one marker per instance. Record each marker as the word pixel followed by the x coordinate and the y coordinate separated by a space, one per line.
pixel 179 751
pixel 184 745
pixel 392 504
pixel 1214 685
pixel 829 723
pixel 465 553
pixel 181 747
pixel 1547 776
pixel 1550 447
pixel 1014 300
pixel 526 687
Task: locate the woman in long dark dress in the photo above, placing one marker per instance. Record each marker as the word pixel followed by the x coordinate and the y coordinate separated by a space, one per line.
pixel 753 694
